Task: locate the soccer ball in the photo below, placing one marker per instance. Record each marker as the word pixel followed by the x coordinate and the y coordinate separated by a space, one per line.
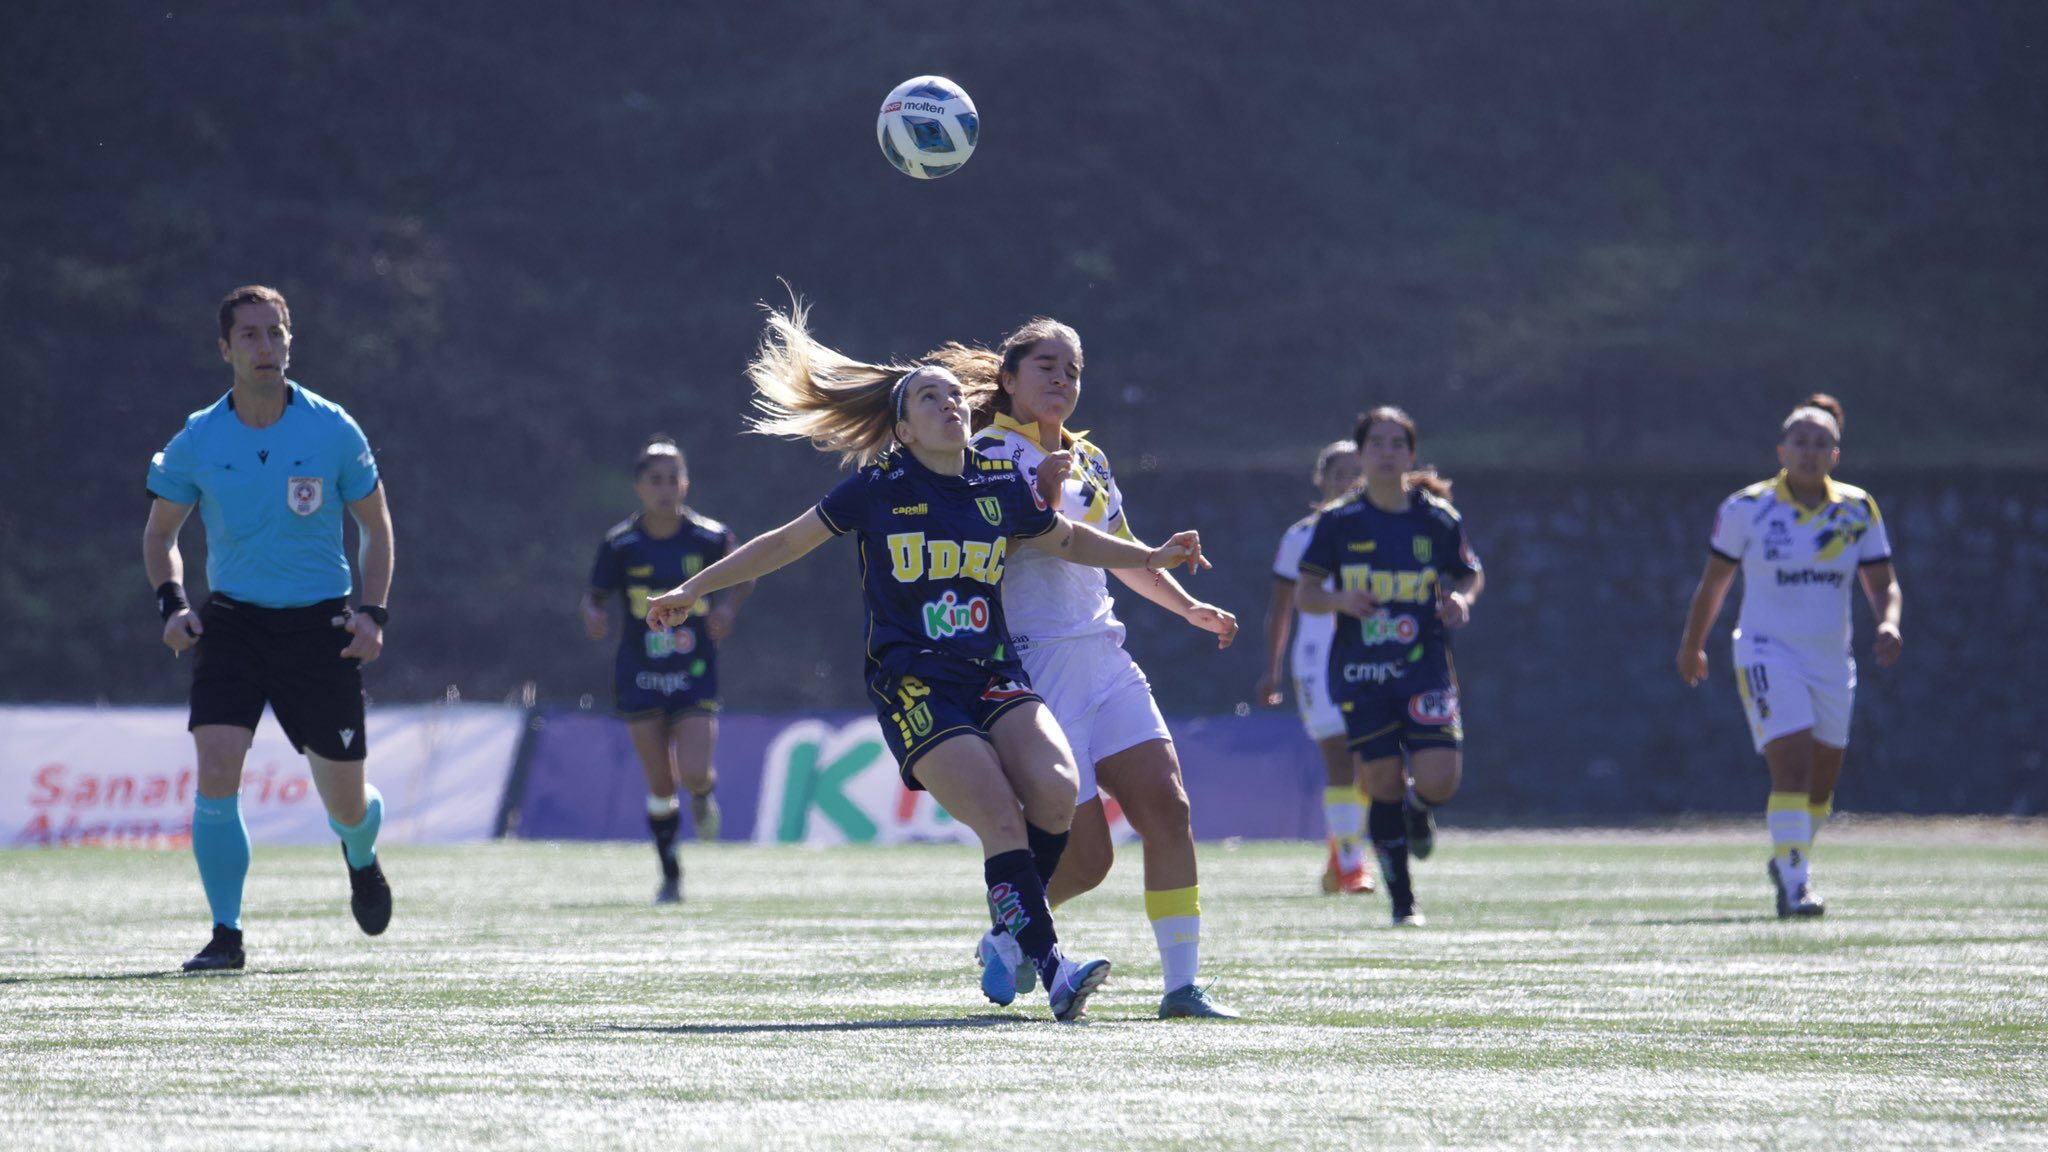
pixel 928 127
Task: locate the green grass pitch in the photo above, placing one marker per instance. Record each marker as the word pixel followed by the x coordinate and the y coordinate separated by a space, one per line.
pixel 1573 990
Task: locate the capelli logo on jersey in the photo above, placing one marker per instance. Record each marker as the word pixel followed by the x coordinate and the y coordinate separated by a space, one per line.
pixel 911 510
pixel 1361 546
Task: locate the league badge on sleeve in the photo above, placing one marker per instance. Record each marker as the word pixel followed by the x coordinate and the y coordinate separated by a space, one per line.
pixel 305 494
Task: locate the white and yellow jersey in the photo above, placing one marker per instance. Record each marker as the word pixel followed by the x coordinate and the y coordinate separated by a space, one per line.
pixel 1310 655
pixel 1046 598
pixel 1798 563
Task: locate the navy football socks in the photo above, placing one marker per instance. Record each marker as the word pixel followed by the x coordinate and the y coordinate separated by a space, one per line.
pixel 1387 824
pixel 1017 896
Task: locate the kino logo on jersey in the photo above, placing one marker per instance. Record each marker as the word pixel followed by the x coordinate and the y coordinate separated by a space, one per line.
pixel 947 616
pixel 1381 628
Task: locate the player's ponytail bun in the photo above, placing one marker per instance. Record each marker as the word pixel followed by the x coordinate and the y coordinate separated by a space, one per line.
pixel 806 391
pixel 1829 405
pixel 659 446
pixel 1813 408
pixel 1425 477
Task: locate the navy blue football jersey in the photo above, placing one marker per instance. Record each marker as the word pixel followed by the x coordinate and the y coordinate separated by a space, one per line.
pixel 1401 558
pixel 931 559
pixel 640 565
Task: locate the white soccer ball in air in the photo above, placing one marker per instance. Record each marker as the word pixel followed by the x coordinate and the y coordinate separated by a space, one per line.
pixel 928 127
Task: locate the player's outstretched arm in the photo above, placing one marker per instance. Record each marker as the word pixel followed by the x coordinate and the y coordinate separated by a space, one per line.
pixel 1279 627
pixel 1162 589
pixel 1082 544
pixel 750 561
pixel 1706 608
pixel 1881 588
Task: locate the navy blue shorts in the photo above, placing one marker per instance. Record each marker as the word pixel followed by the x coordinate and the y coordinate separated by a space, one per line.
pixel 643 689
pixel 918 715
pixel 1383 724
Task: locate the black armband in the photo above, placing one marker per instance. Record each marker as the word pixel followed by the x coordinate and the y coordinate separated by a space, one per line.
pixel 375 612
pixel 170 599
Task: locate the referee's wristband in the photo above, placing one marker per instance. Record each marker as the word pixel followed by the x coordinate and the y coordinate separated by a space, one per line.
pixel 376 613
pixel 170 599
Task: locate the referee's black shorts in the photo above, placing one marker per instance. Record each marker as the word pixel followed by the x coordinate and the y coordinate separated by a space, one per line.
pixel 289 658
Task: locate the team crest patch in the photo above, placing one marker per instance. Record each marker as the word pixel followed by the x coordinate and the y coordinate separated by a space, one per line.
pixel 991 508
pixel 305 494
pixel 1423 549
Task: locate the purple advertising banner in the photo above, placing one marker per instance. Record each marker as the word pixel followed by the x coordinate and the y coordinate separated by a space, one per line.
pixel 827 778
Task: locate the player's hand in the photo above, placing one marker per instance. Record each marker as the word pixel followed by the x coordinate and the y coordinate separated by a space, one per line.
pixel 1357 602
pixel 1210 618
pixel 1692 666
pixel 1180 548
pixel 1052 475
pixel 1889 644
pixel 671 607
pixel 1267 691
pixel 365 638
pixel 1455 611
pixel 182 630
pixel 594 622
pixel 718 625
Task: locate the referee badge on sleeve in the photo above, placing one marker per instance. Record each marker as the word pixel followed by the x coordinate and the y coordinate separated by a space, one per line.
pixel 305 493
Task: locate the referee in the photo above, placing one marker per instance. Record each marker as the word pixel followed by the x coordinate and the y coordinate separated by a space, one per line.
pixel 270 465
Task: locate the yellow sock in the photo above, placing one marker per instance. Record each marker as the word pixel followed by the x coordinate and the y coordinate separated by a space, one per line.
pixel 1176 915
pixel 1791 833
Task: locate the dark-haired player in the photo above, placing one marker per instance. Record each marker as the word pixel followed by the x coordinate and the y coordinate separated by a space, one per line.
pixel 271 465
pixel 1801 540
pixel 1405 576
pixel 665 680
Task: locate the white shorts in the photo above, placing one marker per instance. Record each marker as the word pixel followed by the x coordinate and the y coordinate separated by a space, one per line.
pixel 1100 697
pixel 1319 715
pixel 1788 688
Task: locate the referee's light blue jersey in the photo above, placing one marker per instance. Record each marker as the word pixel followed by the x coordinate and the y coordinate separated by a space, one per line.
pixel 271 498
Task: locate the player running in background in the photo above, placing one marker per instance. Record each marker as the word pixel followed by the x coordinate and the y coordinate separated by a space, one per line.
pixel 665 681
pixel 1800 540
pixel 1064 625
pixel 934 523
pixel 271 466
pixel 1337 471
pixel 1405 577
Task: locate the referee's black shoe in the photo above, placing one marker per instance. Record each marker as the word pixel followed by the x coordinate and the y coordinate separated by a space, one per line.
pixel 369 897
pixel 221 953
